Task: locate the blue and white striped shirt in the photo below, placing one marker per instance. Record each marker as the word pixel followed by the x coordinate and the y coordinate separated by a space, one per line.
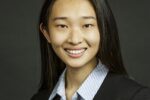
pixel 89 87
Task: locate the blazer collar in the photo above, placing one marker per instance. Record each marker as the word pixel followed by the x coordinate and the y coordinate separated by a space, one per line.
pixel 108 90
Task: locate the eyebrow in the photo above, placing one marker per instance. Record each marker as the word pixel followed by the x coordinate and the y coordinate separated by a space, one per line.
pixel 64 18
pixel 59 18
pixel 89 17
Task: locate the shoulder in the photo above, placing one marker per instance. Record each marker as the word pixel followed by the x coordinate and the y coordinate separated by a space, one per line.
pixel 42 95
pixel 142 94
pixel 129 88
pixel 133 90
pixel 121 87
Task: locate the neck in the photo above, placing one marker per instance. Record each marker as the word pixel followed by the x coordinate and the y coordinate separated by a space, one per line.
pixel 76 76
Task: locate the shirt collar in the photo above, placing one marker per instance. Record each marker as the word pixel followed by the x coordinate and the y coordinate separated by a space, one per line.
pixel 92 83
pixel 60 87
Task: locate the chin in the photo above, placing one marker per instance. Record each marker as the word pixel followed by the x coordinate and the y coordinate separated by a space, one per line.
pixel 78 63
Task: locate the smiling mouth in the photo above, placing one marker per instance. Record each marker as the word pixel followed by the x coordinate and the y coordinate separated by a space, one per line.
pixel 75 53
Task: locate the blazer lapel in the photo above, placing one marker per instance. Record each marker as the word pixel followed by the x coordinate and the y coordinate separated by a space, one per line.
pixel 107 90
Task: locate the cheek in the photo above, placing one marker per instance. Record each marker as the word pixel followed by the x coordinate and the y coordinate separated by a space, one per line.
pixel 93 38
pixel 57 39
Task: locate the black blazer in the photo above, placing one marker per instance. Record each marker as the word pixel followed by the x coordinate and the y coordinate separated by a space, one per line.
pixel 114 87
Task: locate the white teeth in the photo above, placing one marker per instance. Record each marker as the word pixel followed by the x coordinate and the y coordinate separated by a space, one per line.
pixel 75 51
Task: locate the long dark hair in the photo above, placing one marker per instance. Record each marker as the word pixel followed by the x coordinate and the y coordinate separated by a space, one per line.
pixel 109 50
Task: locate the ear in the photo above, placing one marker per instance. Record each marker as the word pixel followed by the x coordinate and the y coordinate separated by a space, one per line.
pixel 45 33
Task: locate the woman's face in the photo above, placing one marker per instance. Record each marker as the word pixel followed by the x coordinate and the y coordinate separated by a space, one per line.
pixel 73 32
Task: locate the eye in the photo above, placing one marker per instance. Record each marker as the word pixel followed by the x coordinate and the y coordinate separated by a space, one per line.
pixel 61 26
pixel 88 25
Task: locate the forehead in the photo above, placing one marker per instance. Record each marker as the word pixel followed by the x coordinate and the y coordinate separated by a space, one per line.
pixel 72 8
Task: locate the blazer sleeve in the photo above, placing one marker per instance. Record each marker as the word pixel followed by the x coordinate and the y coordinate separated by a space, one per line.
pixel 142 94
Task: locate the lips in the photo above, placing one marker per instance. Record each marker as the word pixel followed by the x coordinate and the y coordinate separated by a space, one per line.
pixel 75 53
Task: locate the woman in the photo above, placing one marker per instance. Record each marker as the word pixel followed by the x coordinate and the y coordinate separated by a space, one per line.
pixel 81 58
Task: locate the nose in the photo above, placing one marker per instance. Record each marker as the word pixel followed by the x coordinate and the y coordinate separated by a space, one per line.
pixel 75 36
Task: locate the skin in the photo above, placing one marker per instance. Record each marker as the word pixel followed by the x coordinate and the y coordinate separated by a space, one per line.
pixel 72 25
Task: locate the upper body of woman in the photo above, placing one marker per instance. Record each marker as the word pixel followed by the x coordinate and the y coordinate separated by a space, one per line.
pixel 81 58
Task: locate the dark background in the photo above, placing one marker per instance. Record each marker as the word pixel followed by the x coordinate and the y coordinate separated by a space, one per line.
pixel 20 52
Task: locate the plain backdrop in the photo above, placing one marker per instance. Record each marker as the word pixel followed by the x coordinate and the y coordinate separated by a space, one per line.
pixel 20 51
